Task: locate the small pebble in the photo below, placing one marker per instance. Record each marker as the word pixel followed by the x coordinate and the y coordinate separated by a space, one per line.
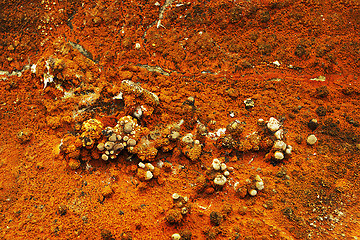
pixel 311 140
pixel 279 134
pixel 249 103
pixel 223 166
pixel 261 122
pixel 174 135
pixel 258 178
pixel 138 112
pixel 184 210
pixel 288 149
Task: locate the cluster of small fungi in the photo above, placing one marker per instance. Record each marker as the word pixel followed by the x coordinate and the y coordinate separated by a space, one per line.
pixel 181 207
pixel 279 149
pixel 121 136
pixel 270 138
pixel 93 140
pixel 147 171
pixel 221 171
pixel 251 186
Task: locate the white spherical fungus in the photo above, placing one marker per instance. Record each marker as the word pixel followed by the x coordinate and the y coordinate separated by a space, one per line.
pixel 175 236
pixel 101 146
pixel 311 140
pixel 175 196
pixel 279 134
pixel 138 112
pixel 148 175
pixel 141 165
pixel 187 139
pixel 223 166
pixel 104 157
pixel 252 192
pixel 273 124
pixel 259 185
pixel 278 155
pixel 149 166
pixel 279 145
pixel 288 150
pixel 220 180
pixel 216 164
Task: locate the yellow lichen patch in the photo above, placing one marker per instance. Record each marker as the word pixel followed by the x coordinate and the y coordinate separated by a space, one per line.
pixel 92 128
pixel 145 153
pixel 193 152
pixel 74 163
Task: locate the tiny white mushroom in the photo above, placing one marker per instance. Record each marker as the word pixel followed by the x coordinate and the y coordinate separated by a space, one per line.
pixel 109 145
pixel 252 192
pixel 288 149
pixel 273 124
pixel 220 180
pixel 175 236
pixel 216 164
pixel 279 134
pixel 149 166
pixel 175 196
pixel 101 146
pixel 223 166
pixel 259 185
pixel 311 140
pixel 278 155
pixel 148 175
pixel 104 157
pixel 279 145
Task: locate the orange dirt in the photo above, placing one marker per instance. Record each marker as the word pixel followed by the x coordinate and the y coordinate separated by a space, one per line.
pixel 63 62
